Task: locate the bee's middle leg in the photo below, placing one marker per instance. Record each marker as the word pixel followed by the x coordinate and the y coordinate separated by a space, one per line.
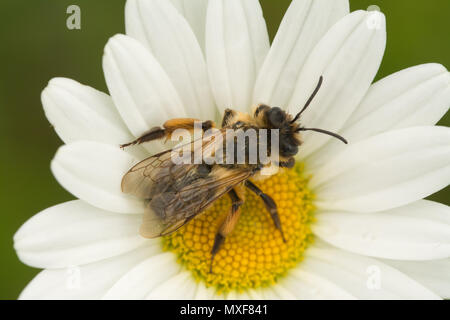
pixel 228 225
pixel 271 206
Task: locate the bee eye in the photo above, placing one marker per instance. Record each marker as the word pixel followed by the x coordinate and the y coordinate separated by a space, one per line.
pixel 276 117
pixel 288 149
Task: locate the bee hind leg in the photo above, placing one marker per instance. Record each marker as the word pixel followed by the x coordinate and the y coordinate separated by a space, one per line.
pixel 153 134
pixel 271 206
pixel 169 127
pixel 228 225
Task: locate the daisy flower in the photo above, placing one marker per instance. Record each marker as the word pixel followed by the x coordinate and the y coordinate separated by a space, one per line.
pixel 356 224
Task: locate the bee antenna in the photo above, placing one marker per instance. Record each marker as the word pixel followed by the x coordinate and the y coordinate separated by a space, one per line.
pixel 309 100
pixel 335 135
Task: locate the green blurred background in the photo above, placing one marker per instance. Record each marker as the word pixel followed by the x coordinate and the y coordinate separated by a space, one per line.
pixel 36 46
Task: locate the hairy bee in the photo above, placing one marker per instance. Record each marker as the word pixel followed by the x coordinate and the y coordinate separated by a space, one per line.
pixel 178 192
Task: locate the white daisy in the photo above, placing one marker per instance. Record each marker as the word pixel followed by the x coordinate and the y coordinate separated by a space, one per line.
pixel 354 215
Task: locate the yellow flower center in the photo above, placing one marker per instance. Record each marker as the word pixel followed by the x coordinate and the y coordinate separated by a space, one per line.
pixel 254 255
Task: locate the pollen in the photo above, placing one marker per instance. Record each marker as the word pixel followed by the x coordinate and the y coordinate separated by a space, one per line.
pixel 254 255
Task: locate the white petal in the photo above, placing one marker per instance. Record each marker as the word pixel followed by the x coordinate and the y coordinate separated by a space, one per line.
pixel 363 277
pixel 140 88
pixel 168 36
pixel 417 96
pixel 269 294
pixel 205 293
pixel 236 45
pixel 418 231
pixel 255 294
pixel 385 171
pixel 307 286
pixel 180 287
pixel 86 282
pixel 243 296
pixel 79 112
pixel 284 293
pixel 232 295
pixel 432 274
pixel 75 233
pixel 348 58
pixel 143 278
pixel 93 172
pixel 277 292
pixel 195 13
pixel 303 25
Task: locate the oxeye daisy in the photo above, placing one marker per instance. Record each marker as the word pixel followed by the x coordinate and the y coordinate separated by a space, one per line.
pixel 354 219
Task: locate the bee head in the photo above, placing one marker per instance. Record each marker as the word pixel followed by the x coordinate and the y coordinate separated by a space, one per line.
pixel 289 138
pixel 276 118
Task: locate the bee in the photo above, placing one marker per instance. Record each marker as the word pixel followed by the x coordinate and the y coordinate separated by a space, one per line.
pixel 175 193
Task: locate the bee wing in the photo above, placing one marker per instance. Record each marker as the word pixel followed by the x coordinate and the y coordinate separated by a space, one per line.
pixel 140 180
pixel 176 193
pixel 153 226
pixel 170 210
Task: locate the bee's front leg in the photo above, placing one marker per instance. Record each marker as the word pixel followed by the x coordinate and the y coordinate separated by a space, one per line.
pixel 228 225
pixel 289 163
pixel 271 206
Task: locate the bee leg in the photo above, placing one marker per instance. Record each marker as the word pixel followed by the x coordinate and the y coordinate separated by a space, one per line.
pixel 169 127
pixel 271 206
pixel 153 134
pixel 228 225
pixel 289 164
pixel 227 116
